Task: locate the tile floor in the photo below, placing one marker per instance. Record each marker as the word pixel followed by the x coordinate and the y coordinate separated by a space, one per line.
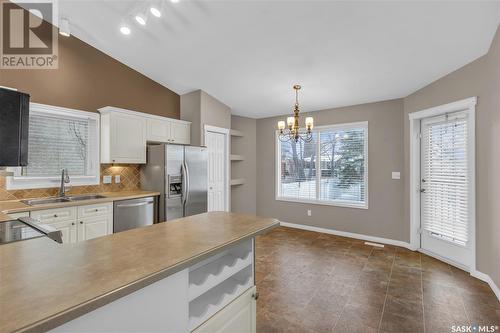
pixel 313 282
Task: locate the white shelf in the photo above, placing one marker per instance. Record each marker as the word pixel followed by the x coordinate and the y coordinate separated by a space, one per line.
pixel 206 305
pixel 238 181
pixel 210 275
pixel 236 133
pixel 234 157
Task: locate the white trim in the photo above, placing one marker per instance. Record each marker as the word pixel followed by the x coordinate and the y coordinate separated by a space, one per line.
pixel 227 133
pixel 337 203
pixel 18 182
pixel 108 109
pixel 468 105
pixel 373 239
pixel 486 278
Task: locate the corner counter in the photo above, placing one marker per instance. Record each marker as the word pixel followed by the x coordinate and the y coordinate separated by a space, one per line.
pixel 44 284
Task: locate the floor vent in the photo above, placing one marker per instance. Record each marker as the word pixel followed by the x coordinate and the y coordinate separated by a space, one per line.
pixel 374 244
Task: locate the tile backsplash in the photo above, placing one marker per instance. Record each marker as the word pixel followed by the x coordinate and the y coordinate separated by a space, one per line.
pixel 129 175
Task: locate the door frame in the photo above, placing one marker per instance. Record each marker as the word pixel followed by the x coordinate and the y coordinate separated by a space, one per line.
pixel 467 105
pixel 227 178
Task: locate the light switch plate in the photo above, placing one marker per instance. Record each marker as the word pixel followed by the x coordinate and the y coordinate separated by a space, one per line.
pixel 106 179
pixel 117 179
pixel 396 175
pixel 309 213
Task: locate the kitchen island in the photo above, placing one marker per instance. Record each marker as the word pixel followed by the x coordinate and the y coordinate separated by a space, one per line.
pixel 177 276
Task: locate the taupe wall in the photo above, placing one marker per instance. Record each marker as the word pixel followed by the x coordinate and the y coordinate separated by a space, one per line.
pixel 244 197
pixel 202 109
pixel 480 78
pixel 88 79
pixel 384 218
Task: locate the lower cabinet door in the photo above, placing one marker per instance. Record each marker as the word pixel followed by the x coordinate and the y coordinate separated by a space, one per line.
pixel 93 227
pixel 67 228
pixel 239 316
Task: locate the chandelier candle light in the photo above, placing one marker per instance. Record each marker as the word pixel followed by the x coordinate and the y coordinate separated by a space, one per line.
pixel 291 130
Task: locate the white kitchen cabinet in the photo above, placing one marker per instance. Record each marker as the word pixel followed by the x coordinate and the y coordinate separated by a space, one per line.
pixel 180 132
pixel 78 223
pixel 123 137
pixel 68 230
pixel 93 227
pixel 158 130
pixel 170 131
pixel 239 316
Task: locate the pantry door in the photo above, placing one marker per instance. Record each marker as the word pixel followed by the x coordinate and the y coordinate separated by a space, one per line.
pixel 446 199
pixel 217 142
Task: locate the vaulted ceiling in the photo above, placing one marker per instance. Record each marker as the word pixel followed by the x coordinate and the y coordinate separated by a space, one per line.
pixel 248 54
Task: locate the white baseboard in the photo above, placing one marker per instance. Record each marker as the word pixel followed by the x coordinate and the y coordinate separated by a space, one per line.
pixel 349 234
pixel 486 278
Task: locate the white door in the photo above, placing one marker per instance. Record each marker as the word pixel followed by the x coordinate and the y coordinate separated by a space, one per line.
pixel 445 194
pixel 217 170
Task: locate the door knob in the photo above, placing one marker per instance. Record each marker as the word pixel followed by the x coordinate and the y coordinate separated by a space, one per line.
pixel 422 190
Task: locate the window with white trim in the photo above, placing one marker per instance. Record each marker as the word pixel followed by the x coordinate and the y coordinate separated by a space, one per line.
pixel 59 139
pixel 332 169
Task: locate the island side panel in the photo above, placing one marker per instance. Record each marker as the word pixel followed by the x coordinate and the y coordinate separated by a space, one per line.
pixel 159 307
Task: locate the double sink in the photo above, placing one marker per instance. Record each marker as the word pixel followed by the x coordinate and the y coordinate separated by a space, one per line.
pixel 72 198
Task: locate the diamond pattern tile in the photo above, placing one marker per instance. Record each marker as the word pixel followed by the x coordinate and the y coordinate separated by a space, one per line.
pixel 129 174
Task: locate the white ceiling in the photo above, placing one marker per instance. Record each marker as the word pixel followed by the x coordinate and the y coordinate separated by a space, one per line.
pixel 248 54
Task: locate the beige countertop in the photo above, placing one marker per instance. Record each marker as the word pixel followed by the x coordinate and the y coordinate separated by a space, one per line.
pixel 44 284
pixel 16 206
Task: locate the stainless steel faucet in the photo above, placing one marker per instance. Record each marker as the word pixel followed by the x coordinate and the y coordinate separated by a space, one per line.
pixel 64 180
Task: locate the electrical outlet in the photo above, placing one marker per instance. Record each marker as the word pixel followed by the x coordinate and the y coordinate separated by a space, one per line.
pixel 106 179
pixel 117 179
pixel 309 213
pixel 396 175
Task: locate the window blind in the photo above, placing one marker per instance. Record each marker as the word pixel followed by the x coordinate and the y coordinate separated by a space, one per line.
pixel 57 142
pixel 330 169
pixel 298 169
pixel 445 177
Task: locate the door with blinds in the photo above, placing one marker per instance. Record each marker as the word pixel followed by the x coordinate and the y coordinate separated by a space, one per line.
pixel 444 199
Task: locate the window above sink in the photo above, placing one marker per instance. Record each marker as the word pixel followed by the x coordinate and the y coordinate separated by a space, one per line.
pixel 59 138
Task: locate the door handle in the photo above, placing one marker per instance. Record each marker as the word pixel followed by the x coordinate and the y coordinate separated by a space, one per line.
pixel 136 204
pixel 422 190
pixel 184 183
pixel 188 185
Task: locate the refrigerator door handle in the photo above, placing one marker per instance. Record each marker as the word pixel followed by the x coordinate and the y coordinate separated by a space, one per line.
pixel 185 183
pixel 188 185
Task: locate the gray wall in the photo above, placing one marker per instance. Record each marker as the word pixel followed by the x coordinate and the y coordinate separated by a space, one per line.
pixel 202 109
pixel 384 217
pixel 480 78
pixel 244 197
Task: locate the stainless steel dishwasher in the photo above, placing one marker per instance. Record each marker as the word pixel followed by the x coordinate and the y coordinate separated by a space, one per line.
pixel 133 213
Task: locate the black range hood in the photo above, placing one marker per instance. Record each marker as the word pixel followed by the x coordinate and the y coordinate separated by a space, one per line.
pixel 14 122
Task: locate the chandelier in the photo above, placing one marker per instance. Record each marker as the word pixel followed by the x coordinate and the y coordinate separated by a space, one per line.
pixel 291 130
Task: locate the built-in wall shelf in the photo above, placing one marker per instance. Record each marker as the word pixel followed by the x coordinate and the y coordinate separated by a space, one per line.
pixel 234 157
pixel 237 181
pixel 236 133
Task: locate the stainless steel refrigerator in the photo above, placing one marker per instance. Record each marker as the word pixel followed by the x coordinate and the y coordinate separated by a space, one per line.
pixel 180 174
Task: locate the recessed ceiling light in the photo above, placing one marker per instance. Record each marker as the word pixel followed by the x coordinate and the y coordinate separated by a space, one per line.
pixel 155 11
pixel 174 1
pixel 125 30
pixel 141 20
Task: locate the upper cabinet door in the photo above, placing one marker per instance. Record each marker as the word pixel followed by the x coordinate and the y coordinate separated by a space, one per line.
pixel 158 130
pixel 123 138
pixel 180 133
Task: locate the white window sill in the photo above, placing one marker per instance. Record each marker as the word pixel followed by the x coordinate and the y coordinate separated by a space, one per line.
pixel 345 204
pixel 23 183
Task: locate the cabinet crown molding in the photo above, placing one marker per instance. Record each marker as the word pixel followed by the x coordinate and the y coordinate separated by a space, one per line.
pixel 109 109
